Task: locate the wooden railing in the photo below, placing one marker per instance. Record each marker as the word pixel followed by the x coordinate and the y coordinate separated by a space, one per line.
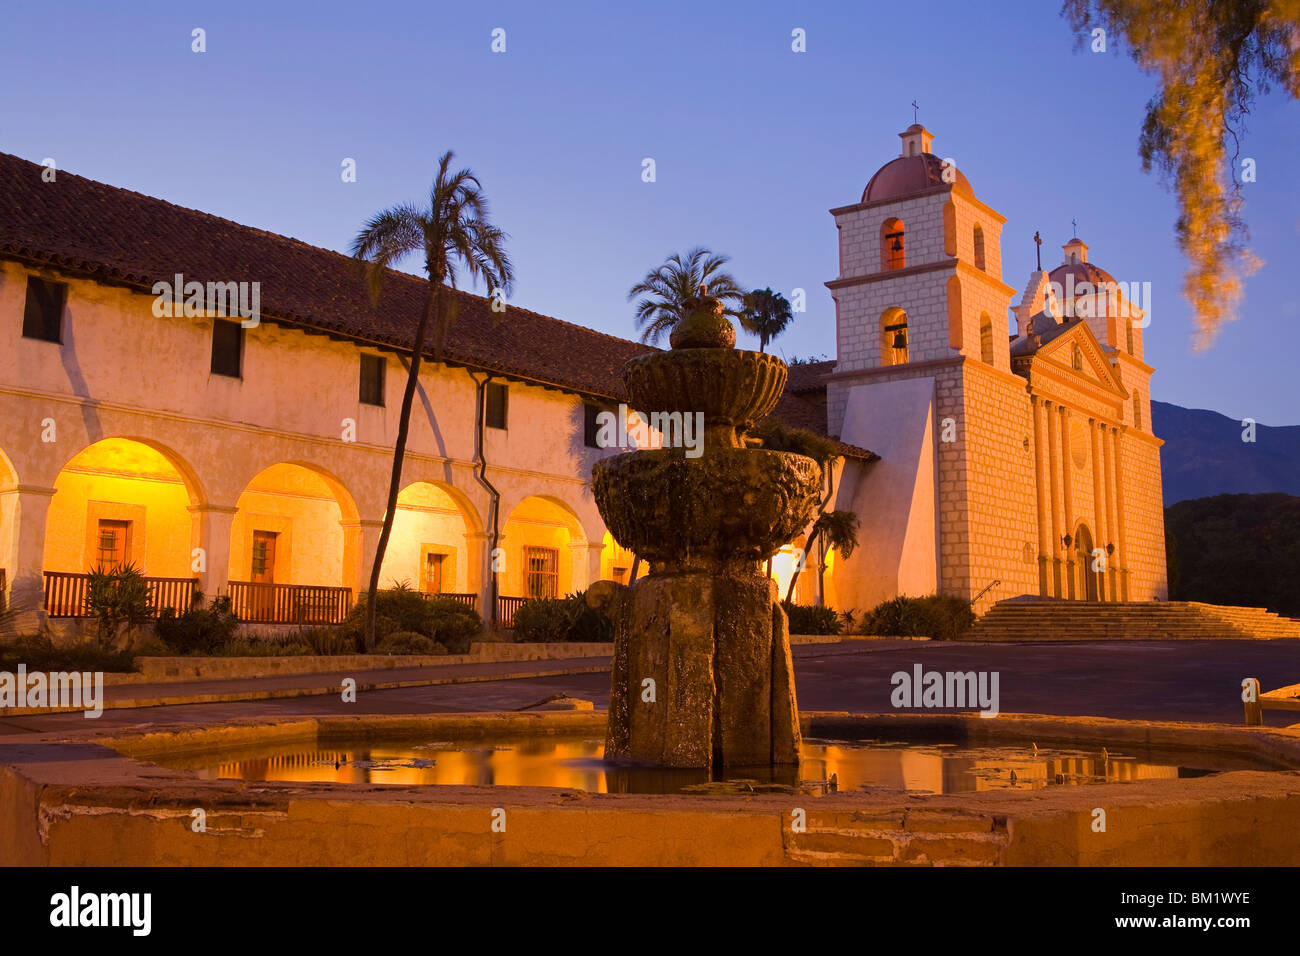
pixel 469 600
pixel 289 603
pixel 65 593
pixel 179 594
pixel 506 607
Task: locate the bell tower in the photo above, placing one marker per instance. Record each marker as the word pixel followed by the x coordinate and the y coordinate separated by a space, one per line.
pixel 920 268
pixel 923 379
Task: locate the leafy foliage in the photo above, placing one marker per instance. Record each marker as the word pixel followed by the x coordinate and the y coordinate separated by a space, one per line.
pixel 812 618
pixel 941 617
pixel 1235 549
pixel 558 620
pixel 200 630
pixel 667 288
pixel 118 599
pixel 766 314
pixel 801 441
pixel 409 643
pixel 448 622
pixel 452 232
pixel 1210 57
pixel 39 653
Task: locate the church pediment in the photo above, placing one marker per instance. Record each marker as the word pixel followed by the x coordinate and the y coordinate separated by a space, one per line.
pixel 1075 353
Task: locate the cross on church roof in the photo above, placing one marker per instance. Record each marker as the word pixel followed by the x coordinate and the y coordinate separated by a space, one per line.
pixel 1075 224
pixel 914 109
pixel 1038 249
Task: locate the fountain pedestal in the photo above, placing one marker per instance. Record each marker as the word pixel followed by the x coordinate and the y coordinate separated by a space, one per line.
pixel 702 674
pixel 717 653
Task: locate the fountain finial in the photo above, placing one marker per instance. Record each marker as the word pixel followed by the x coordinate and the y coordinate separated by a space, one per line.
pixel 703 324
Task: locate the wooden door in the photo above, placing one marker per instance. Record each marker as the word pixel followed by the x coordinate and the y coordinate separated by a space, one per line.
pixel 262 575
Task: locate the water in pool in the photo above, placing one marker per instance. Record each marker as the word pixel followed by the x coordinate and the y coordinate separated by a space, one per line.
pixel 576 763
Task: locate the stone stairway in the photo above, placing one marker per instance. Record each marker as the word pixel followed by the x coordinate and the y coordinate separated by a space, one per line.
pixel 897 838
pixel 1022 620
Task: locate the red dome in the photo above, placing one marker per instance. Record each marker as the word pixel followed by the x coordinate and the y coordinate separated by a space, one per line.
pixel 1082 272
pixel 909 175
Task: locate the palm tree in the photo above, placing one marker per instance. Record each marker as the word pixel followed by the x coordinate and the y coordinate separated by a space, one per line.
pixel 452 231
pixel 667 288
pixel 765 314
pixel 840 531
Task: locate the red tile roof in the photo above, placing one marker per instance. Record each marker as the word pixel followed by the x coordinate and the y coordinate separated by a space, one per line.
pixel 908 175
pixel 808 377
pixel 116 236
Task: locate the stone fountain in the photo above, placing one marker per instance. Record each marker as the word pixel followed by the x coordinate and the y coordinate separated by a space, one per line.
pixel 702 674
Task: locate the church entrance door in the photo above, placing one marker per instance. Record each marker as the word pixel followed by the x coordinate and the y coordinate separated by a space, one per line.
pixel 1083 561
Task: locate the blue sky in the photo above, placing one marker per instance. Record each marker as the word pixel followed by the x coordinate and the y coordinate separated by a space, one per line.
pixel 753 143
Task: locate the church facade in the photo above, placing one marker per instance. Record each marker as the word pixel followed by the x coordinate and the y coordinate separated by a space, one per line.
pixel 1013 461
pixel 251 458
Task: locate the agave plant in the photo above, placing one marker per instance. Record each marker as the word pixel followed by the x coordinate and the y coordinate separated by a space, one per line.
pixel 118 599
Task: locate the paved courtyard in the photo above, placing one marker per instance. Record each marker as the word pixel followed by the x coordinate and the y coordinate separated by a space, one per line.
pixel 1172 680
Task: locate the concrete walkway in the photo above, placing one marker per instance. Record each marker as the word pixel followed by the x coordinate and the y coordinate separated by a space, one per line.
pixel 227 690
pixel 1180 681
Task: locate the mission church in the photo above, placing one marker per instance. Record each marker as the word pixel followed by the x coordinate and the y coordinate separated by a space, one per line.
pixel 1018 461
pixel 253 461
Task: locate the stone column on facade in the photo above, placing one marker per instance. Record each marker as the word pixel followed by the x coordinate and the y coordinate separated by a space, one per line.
pixel 1099 516
pixel 1112 505
pixel 360 542
pixel 1067 487
pixel 586 564
pixel 1040 495
pixel 1053 481
pixel 23 510
pixel 479 573
pixel 1122 543
pixel 210 527
pixel 477 570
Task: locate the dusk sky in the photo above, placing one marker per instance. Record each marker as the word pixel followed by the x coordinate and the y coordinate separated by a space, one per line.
pixel 753 143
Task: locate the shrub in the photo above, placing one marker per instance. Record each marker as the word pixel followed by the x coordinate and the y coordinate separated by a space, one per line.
pixel 452 624
pixel 556 620
pixel 243 646
pixel 150 647
pixel 399 609
pixel 117 599
pixel 200 630
pixel 40 654
pixel 812 619
pixel 327 641
pixel 408 642
pixel 941 617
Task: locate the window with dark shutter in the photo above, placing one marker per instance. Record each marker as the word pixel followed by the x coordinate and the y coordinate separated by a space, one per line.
pixel 496 405
pixel 227 348
pixel 372 379
pixel 590 427
pixel 43 311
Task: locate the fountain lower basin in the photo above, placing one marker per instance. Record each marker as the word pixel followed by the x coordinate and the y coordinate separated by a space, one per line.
pixel 97 799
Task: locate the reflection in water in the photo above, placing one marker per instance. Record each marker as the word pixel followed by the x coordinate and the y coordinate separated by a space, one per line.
pixel 576 763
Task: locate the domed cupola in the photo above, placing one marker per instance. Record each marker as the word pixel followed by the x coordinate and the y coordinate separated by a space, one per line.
pixel 915 171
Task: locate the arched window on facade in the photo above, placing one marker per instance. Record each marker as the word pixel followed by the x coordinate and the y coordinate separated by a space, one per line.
pixel 1137 409
pixel 893 254
pixel 979 247
pixel 1128 330
pixel 1076 359
pixel 986 339
pixel 893 337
